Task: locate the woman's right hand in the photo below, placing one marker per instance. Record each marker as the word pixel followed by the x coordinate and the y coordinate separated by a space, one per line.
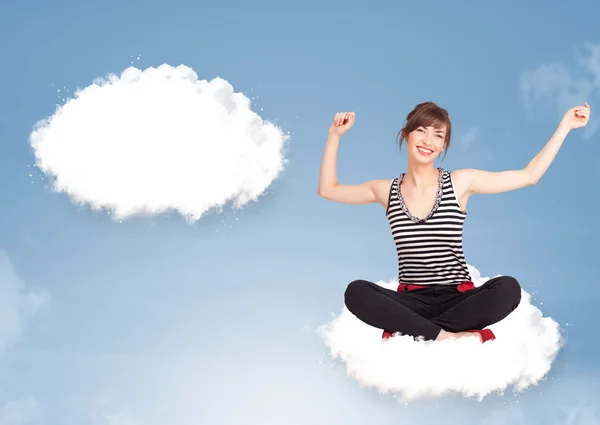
pixel 342 122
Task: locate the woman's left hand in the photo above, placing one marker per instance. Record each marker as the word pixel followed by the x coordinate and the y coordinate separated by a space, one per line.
pixel 576 117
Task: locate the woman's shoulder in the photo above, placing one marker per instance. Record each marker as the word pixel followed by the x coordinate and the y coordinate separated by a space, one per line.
pixel 458 174
pixel 455 174
pixel 383 184
pixel 382 188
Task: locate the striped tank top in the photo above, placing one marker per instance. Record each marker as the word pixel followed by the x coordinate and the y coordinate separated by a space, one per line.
pixel 429 250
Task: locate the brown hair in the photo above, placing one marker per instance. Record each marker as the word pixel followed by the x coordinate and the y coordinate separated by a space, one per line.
pixel 426 114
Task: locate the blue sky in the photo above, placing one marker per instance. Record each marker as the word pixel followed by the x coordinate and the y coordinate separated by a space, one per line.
pixel 159 321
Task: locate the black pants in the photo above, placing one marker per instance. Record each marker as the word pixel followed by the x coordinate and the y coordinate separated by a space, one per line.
pixel 424 312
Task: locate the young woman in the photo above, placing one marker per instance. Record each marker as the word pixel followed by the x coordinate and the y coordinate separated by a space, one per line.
pixel 426 208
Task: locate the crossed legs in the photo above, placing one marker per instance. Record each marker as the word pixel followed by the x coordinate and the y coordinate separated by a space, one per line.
pixel 433 312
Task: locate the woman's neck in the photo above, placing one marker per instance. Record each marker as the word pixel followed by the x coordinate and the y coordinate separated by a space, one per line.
pixel 420 176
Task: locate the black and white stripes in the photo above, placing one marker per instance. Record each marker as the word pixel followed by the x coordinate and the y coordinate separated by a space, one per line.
pixel 429 250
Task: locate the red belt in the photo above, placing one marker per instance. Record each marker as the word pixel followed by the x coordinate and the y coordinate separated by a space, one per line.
pixel 462 287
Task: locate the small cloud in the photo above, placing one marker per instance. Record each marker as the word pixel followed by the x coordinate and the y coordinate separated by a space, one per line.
pixel 469 137
pixel 558 85
pixel 18 304
pixel 157 140
pixel 505 416
pixel 118 418
pixel 105 413
pixel 24 411
pixel 581 414
pixel 526 345
pixel 578 414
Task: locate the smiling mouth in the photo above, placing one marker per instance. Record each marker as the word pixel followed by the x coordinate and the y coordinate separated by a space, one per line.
pixel 424 151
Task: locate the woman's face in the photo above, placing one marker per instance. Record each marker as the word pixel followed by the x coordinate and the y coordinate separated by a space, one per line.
pixel 426 143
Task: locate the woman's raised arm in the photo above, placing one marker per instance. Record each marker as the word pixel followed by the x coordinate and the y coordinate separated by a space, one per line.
pixel 368 192
pixel 471 181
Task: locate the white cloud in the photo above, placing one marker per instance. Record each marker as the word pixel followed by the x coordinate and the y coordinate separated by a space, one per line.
pixel 17 304
pixel 509 415
pixel 24 411
pixel 558 85
pixel 117 417
pixel 581 414
pixel 469 137
pixel 526 345
pixel 159 140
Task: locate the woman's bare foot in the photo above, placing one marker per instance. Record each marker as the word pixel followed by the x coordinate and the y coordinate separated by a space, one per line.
pixel 455 335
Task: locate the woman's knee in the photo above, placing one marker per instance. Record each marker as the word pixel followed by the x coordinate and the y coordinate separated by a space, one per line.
pixel 510 289
pixel 355 293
